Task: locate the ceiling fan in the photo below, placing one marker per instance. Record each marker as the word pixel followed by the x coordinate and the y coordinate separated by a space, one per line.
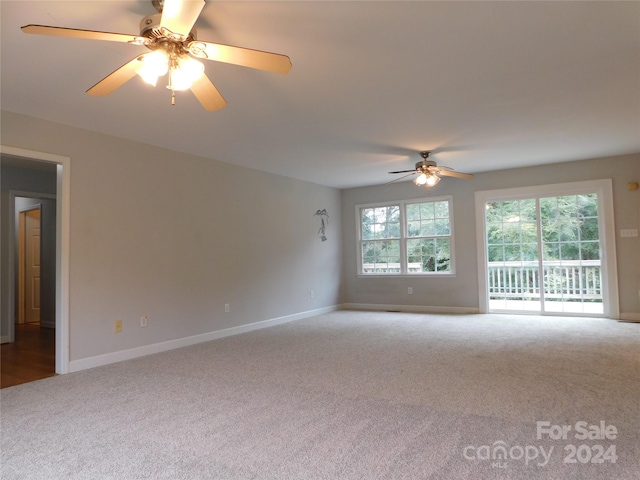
pixel 429 172
pixel 172 40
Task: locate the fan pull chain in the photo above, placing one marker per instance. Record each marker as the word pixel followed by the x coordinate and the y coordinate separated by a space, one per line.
pixel 173 64
pixel 170 86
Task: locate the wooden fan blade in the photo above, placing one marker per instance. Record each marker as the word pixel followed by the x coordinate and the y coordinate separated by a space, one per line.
pixel 400 178
pixel 207 94
pixel 75 33
pixel 405 171
pixel 116 79
pixel 246 57
pixel 452 173
pixel 179 16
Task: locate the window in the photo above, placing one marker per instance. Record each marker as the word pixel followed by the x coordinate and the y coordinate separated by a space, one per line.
pixel 406 238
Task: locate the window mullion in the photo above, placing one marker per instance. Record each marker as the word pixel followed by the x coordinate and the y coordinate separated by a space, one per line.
pixel 540 241
pixel 403 239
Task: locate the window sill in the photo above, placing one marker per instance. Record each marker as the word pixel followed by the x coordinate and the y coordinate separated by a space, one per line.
pixel 406 275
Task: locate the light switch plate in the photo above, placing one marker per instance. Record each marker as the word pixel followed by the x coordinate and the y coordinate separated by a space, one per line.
pixel 629 232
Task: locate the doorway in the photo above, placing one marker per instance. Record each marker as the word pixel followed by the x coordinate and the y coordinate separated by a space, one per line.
pixel 30 353
pixel 545 250
pixel 20 185
pixel 35 258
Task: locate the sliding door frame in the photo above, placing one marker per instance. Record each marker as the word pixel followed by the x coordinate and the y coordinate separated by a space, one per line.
pixel 603 188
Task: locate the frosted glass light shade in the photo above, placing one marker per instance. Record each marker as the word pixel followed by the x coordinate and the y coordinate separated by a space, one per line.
pixel 187 71
pixel 154 65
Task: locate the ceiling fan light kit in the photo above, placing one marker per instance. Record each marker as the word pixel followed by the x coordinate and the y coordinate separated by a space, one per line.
pixel 172 40
pixel 427 180
pixel 170 52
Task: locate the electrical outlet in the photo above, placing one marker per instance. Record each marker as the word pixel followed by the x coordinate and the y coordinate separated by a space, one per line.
pixel 144 320
pixel 117 328
pixel 410 291
pixel 312 294
pixel 227 308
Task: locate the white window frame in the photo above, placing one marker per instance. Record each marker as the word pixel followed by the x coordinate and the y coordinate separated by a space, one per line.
pixel 404 237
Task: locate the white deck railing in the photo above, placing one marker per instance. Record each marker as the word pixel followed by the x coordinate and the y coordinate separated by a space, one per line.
pixel 561 280
pixel 390 268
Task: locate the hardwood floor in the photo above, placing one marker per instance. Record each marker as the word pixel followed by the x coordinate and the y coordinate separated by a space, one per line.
pixel 31 357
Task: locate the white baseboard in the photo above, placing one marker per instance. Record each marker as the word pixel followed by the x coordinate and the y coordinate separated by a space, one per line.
pixel 108 358
pixel 409 308
pixel 630 317
pixel 5 339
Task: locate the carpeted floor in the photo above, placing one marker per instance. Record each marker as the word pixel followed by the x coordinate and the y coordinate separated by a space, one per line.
pixel 347 395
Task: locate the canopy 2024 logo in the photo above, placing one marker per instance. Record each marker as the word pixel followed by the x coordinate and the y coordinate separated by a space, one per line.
pixel 500 453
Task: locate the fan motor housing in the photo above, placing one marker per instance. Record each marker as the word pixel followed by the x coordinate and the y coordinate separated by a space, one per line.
pixel 425 163
pixel 150 28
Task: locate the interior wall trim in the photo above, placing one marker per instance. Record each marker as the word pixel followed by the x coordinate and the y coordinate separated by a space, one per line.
pixel 409 308
pixel 630 317
pixel 114 357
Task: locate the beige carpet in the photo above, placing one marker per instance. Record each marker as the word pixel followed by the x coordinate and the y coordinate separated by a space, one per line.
pixel 348 395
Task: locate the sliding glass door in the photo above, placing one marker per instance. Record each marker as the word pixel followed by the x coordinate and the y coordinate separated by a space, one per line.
pixel 543 252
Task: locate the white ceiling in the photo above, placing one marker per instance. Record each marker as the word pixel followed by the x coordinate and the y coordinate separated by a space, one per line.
pixel 486 85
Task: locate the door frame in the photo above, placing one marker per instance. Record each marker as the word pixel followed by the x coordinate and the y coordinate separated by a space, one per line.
pixel 62 247
pixel 608 256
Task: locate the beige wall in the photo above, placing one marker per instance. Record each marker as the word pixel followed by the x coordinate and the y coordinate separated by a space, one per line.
pixel 176 237
pixel 461 290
